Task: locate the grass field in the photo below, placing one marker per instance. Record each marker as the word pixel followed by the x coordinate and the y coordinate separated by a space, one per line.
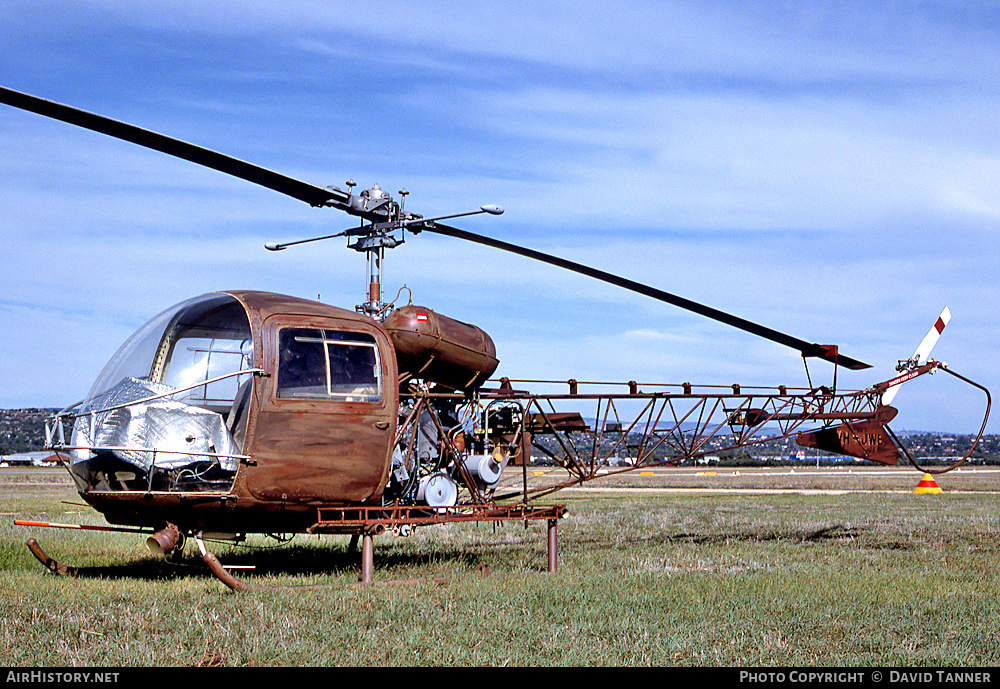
pixel 653 570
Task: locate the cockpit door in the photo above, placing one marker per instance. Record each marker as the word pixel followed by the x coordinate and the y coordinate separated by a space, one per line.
pixel 328 408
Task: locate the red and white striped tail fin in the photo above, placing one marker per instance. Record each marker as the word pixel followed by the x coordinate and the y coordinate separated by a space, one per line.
pixel 922 354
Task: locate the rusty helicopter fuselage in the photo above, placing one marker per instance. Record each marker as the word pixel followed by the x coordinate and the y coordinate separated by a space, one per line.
pixel 245 411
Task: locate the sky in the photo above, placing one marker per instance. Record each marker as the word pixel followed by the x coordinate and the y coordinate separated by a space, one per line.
pixel 827 169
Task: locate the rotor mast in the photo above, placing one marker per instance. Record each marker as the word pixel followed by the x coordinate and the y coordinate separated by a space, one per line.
pixel 374 242
pixel 375 238
pixel 374 305
pixel 384 216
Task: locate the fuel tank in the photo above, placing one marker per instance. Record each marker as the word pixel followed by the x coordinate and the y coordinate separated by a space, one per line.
pixel 439 349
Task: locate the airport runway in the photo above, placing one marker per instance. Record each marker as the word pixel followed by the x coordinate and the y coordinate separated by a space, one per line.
pixel 803 480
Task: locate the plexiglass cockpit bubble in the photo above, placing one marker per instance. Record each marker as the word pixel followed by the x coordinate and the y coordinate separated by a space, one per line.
pixel 168 411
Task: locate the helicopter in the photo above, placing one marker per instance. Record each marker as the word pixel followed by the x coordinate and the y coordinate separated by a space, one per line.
pixel 249 412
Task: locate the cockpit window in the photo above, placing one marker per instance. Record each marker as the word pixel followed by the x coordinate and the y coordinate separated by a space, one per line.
pixel 328 364
pixel 201 353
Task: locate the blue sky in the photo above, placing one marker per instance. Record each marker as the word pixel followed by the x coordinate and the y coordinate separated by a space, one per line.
pixel 827 169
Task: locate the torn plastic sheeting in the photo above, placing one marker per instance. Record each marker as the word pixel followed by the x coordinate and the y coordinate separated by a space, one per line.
pixel 181 433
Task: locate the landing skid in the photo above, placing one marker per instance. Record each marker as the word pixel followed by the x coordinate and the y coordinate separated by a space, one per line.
pixel 48 562
pixel 64 570
pixel 364 524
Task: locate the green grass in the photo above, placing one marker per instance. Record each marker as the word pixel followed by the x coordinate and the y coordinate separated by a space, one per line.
pixel 730 580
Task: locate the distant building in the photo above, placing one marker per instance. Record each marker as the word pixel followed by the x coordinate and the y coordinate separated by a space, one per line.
pixel 27 459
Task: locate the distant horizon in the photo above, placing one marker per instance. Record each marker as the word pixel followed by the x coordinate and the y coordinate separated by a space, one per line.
pixel 903 432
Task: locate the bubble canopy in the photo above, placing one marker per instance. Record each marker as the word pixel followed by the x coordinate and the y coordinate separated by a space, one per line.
pixel 165 403
pixel 194 341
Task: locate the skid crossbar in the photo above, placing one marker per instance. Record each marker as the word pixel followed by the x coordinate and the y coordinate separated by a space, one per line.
pixel 369 521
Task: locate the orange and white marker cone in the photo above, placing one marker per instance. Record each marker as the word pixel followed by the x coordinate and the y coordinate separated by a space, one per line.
pixel 927 486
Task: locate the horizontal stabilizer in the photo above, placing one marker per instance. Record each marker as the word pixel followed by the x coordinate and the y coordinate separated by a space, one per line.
pixel 865 439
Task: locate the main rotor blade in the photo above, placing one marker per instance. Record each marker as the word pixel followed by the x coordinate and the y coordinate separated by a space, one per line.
pixel 808 349
pixel 311 194
pixel 318 196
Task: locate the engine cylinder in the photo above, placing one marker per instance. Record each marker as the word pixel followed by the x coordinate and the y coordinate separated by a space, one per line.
pixel 439 349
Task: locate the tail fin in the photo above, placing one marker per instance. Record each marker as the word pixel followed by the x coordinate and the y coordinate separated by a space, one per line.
pixel 922 354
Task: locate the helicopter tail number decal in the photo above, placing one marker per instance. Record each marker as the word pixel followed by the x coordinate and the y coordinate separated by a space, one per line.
pixel 866 439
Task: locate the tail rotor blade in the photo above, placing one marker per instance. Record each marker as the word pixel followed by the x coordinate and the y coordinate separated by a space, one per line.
pixel 922 354
pixel 930 339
